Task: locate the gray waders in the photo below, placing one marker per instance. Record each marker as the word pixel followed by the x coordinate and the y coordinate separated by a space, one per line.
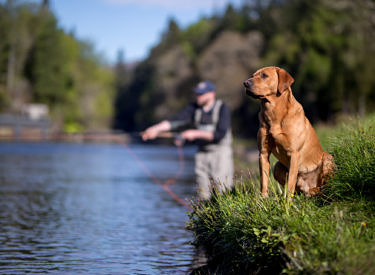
pixel 213 161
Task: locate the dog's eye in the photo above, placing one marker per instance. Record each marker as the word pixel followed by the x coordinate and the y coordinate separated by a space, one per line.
pixel 264 75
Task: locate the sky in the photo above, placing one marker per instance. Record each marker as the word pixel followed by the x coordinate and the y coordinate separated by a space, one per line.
pixel 134 26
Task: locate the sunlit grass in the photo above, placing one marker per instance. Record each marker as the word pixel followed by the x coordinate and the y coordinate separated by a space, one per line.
pixel 333 232
pixel 354 151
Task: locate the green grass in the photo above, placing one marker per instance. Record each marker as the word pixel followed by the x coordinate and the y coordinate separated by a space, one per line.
pixel 354 151
pixel 331 233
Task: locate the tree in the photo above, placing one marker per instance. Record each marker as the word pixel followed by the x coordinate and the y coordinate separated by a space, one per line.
pixel 123 117
pixel 47 64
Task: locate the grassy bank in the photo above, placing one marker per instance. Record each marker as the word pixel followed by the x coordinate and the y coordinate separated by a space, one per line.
pixel 333 232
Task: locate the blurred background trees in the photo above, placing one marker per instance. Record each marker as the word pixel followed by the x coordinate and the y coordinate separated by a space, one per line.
pixel 328 46
pixel 40 63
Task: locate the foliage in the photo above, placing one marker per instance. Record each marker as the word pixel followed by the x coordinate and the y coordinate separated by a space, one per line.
pixel 40 63
pixel 46 64
pixel 327 46
pixel 315 42
pixel 198 35
pixel 331 233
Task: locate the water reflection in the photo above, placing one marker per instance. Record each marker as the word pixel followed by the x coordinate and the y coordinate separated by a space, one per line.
pixel 89 208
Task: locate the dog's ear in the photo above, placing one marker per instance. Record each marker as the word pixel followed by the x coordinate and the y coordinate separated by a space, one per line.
pixel 285 80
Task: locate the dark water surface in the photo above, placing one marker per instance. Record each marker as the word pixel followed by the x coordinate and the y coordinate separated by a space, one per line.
pixel 71 208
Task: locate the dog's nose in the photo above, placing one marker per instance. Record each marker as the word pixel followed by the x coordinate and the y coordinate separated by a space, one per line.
pixel 248 83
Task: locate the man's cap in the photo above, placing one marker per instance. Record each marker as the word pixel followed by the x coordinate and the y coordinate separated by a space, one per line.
pixel 204 87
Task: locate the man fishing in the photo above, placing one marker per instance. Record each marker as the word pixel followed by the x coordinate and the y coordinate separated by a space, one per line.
pixel 207 121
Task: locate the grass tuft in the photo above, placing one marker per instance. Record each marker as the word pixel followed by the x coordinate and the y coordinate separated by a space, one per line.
pixel 246 233
pixel 354 152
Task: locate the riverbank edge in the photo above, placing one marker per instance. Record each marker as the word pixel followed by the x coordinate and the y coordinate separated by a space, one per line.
pixel 331 233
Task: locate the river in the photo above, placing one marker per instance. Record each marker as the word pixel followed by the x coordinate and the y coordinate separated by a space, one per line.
pixel 89 208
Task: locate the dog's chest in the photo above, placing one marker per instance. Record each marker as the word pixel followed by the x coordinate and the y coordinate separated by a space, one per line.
pixel 277 132
pixel 280 146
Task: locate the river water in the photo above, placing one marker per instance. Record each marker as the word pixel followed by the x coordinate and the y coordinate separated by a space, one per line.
pixel 85 208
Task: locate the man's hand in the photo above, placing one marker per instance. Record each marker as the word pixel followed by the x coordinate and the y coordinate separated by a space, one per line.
pixel 153 131
pixel 149 133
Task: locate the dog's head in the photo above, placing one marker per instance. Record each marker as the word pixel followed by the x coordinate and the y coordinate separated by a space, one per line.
pixel 268 81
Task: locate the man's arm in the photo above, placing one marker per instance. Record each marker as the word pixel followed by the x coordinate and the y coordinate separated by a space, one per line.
pixel 153 131
pixel 193 134
pixel 181 119
pixel 224 123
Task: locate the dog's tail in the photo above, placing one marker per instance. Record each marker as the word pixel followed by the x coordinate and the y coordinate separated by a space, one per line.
pixel 328 166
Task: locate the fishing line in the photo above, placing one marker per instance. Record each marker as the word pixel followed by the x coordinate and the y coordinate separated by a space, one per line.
pixel 105 137
pixel 166 184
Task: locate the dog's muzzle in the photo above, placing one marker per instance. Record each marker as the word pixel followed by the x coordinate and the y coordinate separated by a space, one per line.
pixel 248 85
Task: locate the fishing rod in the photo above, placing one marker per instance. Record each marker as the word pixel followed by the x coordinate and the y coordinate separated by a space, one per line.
pixel 179 140
pixel 88 136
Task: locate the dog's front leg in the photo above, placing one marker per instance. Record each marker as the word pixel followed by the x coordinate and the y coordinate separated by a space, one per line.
pixel 293 172
pixel 264 169
pixel 264 158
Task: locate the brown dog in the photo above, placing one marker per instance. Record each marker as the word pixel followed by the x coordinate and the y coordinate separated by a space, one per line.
pixel 287 133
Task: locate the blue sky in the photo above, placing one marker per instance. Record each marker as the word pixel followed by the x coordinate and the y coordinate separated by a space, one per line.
pixel 131 25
